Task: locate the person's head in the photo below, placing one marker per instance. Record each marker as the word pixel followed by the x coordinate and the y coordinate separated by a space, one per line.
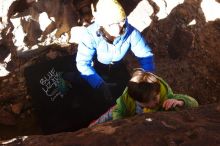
pixel 110 15
pixel 144 87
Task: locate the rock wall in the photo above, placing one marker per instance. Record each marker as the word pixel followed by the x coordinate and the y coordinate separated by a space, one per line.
pixel 183 36
pixel 187 54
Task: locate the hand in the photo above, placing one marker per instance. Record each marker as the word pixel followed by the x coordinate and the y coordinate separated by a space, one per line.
pixel 171 103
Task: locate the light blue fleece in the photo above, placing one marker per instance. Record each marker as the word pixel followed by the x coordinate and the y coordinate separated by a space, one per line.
pixel 106 53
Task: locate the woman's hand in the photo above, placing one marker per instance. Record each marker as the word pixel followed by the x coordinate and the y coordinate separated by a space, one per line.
pixel 171 103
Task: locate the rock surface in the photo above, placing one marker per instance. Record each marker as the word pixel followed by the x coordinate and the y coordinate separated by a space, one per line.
pixel 185 45
pixel 186 127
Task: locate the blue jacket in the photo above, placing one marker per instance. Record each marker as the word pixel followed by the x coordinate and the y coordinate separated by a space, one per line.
pixel 91 44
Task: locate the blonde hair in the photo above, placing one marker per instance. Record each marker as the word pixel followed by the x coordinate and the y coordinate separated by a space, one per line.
pixel 143 85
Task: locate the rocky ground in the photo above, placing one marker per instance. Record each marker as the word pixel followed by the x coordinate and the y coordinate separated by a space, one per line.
pixel 186 56
pixel 188 127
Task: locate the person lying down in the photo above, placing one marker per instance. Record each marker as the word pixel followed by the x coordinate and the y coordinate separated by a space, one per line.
pixel 145 92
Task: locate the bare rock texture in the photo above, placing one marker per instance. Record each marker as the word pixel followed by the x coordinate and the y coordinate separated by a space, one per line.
pixel 187 55
pixel 183 128
pixel 186 46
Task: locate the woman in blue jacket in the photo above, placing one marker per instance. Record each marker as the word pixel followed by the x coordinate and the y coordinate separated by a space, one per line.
pixel 103 46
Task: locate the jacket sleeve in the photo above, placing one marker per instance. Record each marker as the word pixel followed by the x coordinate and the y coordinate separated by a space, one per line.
pixel 188 101
pixel 142 51
pixel 119 110
pixel 125 106
pixel 85 53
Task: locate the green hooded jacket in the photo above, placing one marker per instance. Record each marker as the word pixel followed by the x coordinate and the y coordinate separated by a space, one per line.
pixel 126 106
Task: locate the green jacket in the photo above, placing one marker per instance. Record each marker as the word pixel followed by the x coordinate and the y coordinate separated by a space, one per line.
pixel 126 106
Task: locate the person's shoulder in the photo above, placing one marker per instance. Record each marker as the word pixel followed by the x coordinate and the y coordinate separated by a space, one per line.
pixel 92 27
pixel 132 28
pixel 133 32
pixel 91 30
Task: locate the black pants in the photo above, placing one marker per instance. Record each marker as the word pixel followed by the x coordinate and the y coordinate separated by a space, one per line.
pixel 115 75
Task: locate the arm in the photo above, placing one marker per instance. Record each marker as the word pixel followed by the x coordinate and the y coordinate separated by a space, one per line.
pixel 142 51
pixel 119 110
pixel 84 58
pixel 175 99
pixel 125 106
pixel 188 101
pixel 179 100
